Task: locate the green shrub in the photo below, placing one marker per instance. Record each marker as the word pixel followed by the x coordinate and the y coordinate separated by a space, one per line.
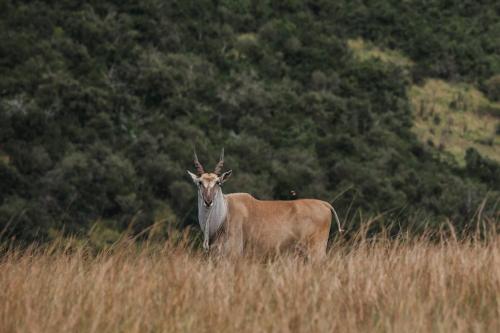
pixel 492 86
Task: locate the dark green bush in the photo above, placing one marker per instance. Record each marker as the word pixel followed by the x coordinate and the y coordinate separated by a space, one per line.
pixel 102 103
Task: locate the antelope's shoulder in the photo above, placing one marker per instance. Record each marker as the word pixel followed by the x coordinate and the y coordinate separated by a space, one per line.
pixel 240 202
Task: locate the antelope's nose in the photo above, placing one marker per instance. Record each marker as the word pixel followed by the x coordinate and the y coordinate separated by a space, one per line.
pixel 208 203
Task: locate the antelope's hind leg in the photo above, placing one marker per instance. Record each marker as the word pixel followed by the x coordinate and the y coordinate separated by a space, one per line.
pixel 317 245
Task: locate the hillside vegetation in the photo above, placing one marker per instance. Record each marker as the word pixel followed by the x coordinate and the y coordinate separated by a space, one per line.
pixel 450 116
pixel 102 103
pixel 455 117
pixel 365 51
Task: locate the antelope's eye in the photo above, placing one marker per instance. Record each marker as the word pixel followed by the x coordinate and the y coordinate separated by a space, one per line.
pixel 219 183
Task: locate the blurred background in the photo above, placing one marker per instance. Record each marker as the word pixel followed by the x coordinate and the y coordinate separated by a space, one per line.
pixel 391 109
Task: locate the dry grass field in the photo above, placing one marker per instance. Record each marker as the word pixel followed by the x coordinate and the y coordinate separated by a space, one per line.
pixel 381 285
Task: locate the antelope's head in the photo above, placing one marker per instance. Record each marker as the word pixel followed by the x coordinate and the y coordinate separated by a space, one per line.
pixel 209 182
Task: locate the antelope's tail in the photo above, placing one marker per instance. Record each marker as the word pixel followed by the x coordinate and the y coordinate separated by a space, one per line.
pixel 335 216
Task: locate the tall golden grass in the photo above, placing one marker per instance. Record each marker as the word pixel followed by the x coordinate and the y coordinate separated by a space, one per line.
pixel 364 285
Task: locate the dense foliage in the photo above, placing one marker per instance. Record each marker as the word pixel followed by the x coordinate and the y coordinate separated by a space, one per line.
pixel 448 38
pixel 102 104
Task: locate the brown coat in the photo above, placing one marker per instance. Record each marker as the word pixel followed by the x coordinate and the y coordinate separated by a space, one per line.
pixel 275 226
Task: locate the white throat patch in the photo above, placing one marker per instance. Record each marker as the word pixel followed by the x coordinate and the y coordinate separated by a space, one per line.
pixel 211 218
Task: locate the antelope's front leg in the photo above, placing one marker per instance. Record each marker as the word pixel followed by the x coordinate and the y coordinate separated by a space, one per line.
pixel 206 245
pixel 217 247
pixel 233 245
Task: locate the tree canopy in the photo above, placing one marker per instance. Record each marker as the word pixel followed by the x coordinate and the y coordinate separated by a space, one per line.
pixel 102 103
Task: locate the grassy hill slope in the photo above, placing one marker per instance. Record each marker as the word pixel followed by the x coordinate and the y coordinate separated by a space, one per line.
pixel 450 116
pixel 455 117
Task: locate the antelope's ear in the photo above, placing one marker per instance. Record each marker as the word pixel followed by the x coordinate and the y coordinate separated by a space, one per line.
pixel 225 176
pixel 193 176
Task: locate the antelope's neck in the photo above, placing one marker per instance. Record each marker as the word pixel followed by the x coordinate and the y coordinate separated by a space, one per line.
pixel 216 213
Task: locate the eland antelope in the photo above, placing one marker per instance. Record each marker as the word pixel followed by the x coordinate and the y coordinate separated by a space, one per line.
pixel 237 221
